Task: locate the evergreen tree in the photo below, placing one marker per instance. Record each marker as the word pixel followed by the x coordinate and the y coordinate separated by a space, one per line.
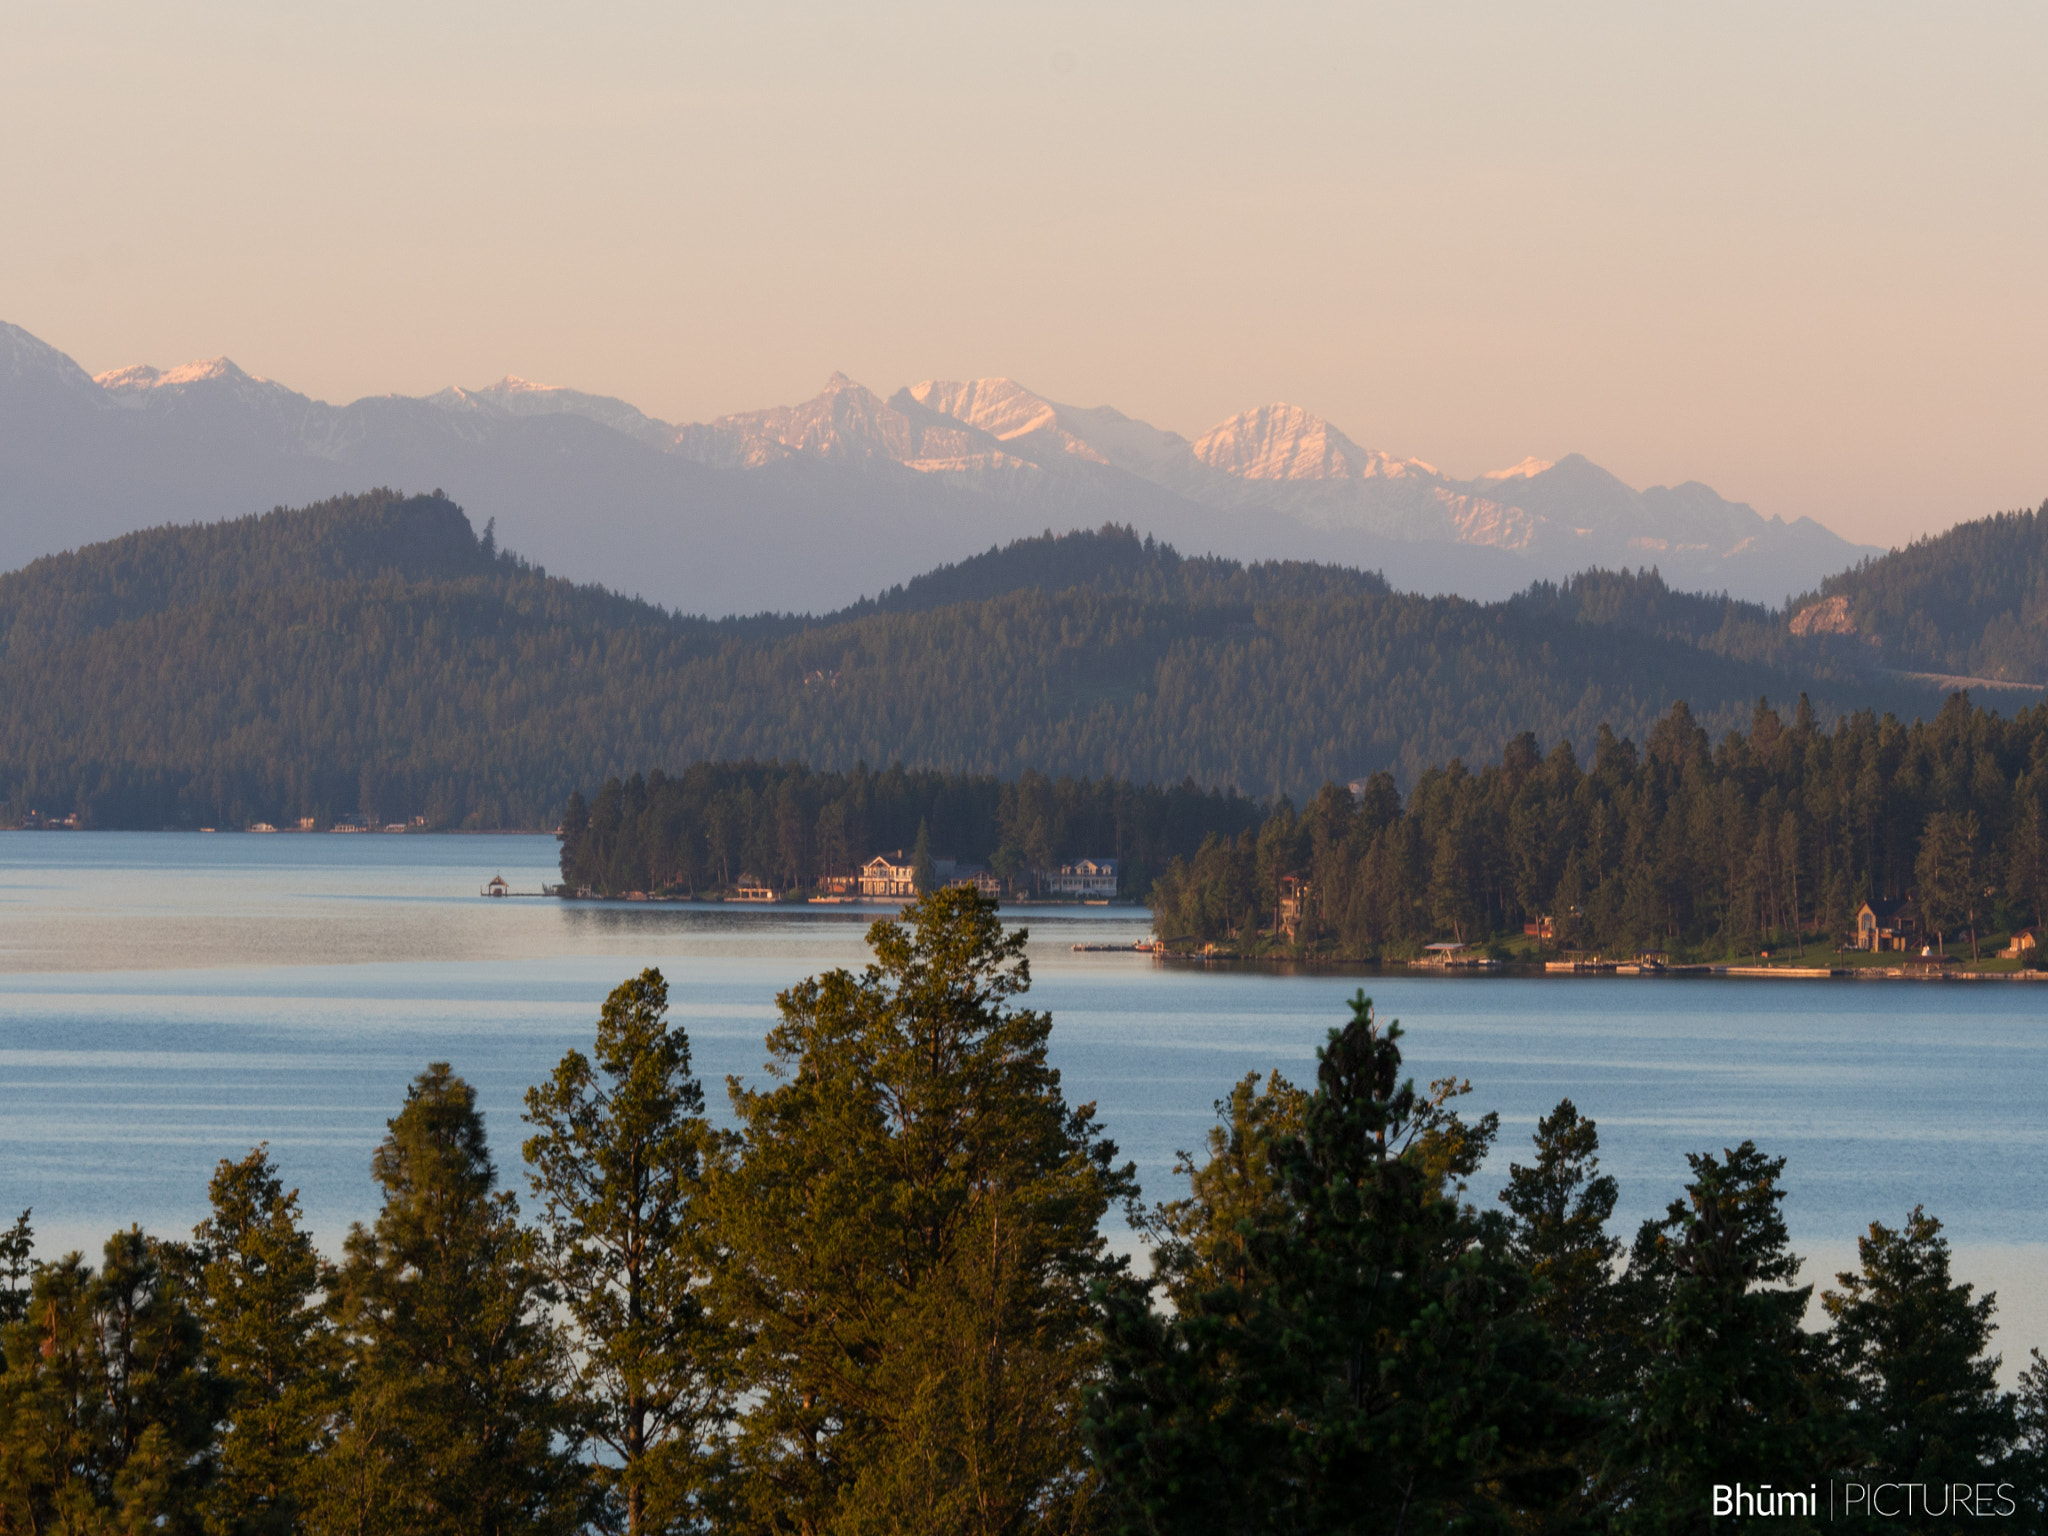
pixel 271 1348
pixel 106 1409
pixel 617 1160
pixel 1727 1386
pixel 2027 1466
pixel 922 872
pixel 57 1465
pixel 1927 1406
pixel 1377 1371
pixel 1206 1240
pixel 456 1422
pixel 1560 1207
pixel 17 1267
pixel 909 1229
pixel 1947 871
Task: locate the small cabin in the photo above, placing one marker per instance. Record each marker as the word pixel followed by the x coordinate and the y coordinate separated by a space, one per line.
pixel 2022 946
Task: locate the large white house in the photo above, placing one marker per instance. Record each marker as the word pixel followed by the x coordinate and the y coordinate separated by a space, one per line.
pixel 889 876
pixel 1084 878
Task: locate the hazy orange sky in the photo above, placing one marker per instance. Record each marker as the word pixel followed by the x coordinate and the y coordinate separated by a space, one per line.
pixel 1799 252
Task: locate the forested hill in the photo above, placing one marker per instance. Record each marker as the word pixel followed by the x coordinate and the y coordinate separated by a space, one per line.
pixel 373 657
pixel 1116 560
pixel 1971 602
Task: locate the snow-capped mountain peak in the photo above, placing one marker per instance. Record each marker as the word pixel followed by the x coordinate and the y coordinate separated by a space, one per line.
pixel 514 396
pixel 1002 408
pixel 512 384
pixel 140 376
pixel 1031 425
pixel 1528 469
pixel 1285 442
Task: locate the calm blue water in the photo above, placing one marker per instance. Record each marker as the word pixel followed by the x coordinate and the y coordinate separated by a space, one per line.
pixel 170 1000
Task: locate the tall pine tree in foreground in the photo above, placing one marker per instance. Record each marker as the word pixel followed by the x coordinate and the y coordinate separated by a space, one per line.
pixel 1726 1385
pixel 1370 1366
pixel 909 1226
pixel 1927 1407
pixel 106 1410
pixel 617 1159
pixel 1559 1207
pixel 456 1424
pixel 271 1348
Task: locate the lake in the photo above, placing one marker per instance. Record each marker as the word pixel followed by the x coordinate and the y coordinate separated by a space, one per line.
pixel 167 1000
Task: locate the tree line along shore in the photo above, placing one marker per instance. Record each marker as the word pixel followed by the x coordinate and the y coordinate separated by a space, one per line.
pixel 1855 847
pixel 884 1300
pixel 1861 845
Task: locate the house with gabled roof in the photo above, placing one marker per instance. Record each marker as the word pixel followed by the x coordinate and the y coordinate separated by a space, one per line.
pixel 889 877
pixel 1884 923
pixel 1085 878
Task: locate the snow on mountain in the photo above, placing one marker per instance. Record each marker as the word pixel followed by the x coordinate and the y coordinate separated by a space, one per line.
pixel 1026 423
pixel 514 396
pixel 847 423
pixel 1287 465
pixel 1284 456
pixel 214 387
pixel 1284 442
pixel 809 505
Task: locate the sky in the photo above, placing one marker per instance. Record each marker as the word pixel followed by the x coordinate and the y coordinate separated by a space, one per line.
pixel 1799 252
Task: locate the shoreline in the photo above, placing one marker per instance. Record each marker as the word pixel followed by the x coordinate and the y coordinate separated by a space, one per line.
pixel 1540 970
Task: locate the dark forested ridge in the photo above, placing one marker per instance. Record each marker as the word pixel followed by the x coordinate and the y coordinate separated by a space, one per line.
pixel 1113 559
pixel 783 825
pixel 1775 836
pixel 371 658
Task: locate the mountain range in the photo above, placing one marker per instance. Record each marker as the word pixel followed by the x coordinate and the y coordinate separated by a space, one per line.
pixel 805 508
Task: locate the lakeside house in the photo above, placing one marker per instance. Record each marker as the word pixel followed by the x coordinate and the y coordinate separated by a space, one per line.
pixel 755 891
pixel 950 872
pixel 1085 878
pixel 1295 893
pixel 889 877
pixel 1885 924
pixel 2021 947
